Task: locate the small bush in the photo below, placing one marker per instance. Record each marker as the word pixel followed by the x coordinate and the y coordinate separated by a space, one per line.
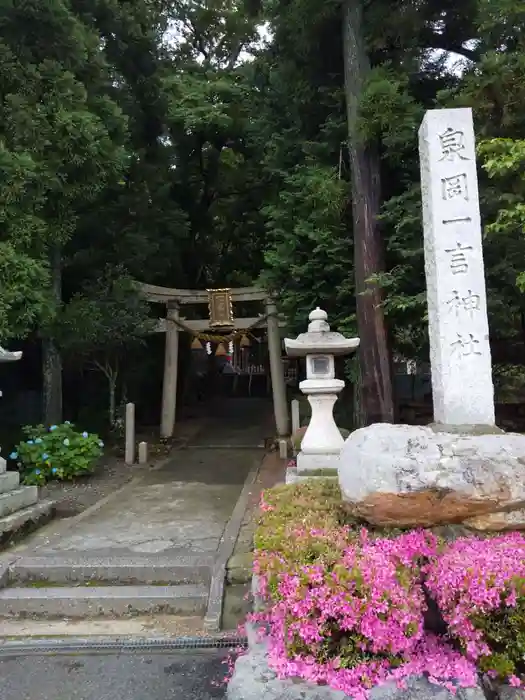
pixel 304 523
pixel 58 453
pixel 479 585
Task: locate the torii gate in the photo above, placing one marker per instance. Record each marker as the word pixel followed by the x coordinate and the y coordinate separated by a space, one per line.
pixel 220 304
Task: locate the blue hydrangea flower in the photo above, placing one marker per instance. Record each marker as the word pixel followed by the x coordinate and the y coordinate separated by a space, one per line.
pixel 38 441
pixel 100 443
pixel 45 456
pixel 13 455
pixel 53 427
pixel 66 442
pixel 84 434
pixel 54 470
pixel 37 471
pixel 30 442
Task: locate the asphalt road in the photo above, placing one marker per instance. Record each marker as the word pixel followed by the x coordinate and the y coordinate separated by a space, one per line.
pixel 185 675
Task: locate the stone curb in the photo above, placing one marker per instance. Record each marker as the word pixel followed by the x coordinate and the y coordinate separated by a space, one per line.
pixel 254 680
pixel 4 573
pixel 212 620
pixel 239 568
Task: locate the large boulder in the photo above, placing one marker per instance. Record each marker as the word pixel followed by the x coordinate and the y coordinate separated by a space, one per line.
pixel 417 475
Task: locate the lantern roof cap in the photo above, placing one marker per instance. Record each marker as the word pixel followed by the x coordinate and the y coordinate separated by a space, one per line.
pixel 320 339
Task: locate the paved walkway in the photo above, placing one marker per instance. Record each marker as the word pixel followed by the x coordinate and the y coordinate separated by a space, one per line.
pixel 179 509
pixel 237 422
pixel 153 544
pixel 189 675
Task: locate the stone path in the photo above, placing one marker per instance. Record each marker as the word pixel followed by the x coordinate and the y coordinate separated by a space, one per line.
pixel 237 422
pixel 151 546
pixel 179 509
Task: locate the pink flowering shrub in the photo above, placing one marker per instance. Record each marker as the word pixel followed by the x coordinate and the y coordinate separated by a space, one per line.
pixel 300 525
pixel 479 585
pixel 344 606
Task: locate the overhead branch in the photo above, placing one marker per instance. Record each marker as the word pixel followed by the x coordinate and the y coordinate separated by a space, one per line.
pixel 443 42
pixel 198 41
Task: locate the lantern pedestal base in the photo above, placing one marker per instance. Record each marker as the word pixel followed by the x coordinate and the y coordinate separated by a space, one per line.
pixel 308 463
pixel 322 442
pixel 313 467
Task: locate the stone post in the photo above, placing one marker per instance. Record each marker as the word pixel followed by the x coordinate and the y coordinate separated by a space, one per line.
pixel 463 393
pixel 143 452
pixel 171 360
pixel 296 418
pixel 129 453
pixel 280 404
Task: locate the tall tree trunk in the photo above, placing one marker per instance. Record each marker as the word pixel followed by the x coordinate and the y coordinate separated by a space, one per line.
pixel 358 408
pixel 51 357
pixel 374 357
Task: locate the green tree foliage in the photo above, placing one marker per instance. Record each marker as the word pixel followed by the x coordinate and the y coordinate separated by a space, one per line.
pixel 61 134
pixel 168 143
pixel 305 225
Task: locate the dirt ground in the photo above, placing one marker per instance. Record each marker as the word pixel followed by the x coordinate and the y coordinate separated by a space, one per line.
pixel 72 497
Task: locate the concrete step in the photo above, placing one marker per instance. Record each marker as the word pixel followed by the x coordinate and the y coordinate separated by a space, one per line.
pixel 136 570
pixel 9 481
pixel 102 601
pixel 19 498
pixel 25 520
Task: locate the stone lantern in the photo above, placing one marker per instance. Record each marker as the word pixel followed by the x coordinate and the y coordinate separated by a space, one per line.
pixel 7 356
pixel 322 441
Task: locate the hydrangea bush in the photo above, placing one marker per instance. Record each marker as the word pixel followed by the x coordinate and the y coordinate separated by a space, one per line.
pixel 479 585
pixel 58 453
pixel 347 607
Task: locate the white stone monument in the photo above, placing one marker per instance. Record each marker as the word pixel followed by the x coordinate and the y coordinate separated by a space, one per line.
pixel 322 441
pixel 462 468
pixel 462 388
